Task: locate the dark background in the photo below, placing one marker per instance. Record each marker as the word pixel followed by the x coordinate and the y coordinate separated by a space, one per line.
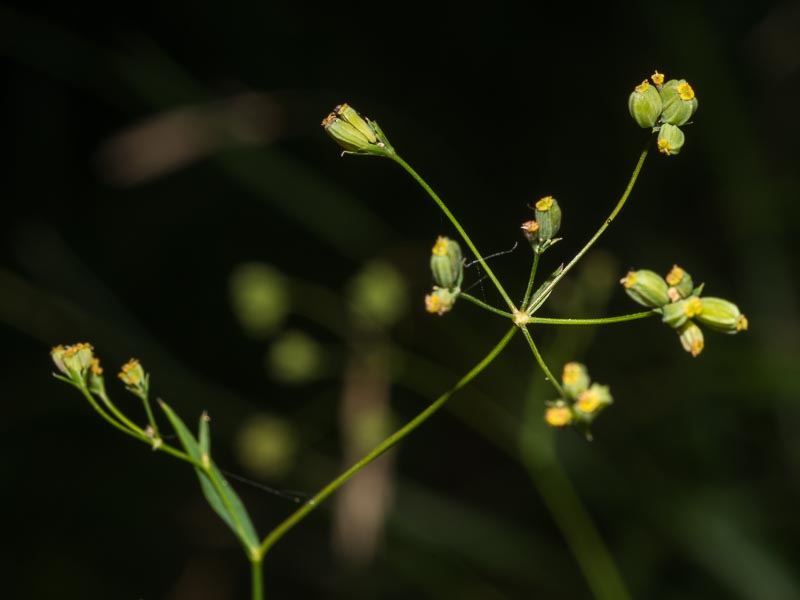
pixel 153 151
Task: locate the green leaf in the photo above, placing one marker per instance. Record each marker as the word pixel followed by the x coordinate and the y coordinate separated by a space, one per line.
pixel 223 499
pixel 536 300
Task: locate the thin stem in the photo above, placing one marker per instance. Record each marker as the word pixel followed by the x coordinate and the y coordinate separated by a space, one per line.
pixel 257 579
pixel 603 227
pixel 602 321
pixel 150 417
pixel 116 412
pixel 385 445
pixel 529 289
pixel 458 227
pixel 541 362
pixel 485 306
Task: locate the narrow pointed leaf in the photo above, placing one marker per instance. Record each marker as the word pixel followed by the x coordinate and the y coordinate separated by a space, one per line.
pixel 224 501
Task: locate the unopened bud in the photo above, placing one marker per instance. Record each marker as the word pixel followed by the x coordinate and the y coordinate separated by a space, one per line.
pixel 679 102
pixel 447 263
pixel 548 215
pixel 73 361
pixel 356 134
pixel 691 338
pixel 721 315
pixel 670 139
pixel 644 104
pixel 646 287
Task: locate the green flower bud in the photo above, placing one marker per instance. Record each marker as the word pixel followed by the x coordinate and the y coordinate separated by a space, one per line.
pixel 691 338
pixel 135 379
pixel 548 215
pixel 440 300
pixel 644 104
pixel 447 264
pixel 575 379
pixel 680 283
pixel 356 134
pixel 646 287
pixel 670 139
pixel 677 313
pixel 95 381
pixel 679 102
pixel 721 315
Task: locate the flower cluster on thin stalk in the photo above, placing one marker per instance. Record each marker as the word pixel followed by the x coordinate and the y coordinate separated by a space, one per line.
pixel 663 107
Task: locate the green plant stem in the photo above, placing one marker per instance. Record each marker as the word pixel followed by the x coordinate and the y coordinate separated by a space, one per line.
pixel 150 417
pixel 529 289
pixel 458 227
pixel 485 306
pixel 602 321
pixel 624 198
pixel 385 445
pixel 116 412
pixel 257 578
pixel 541 362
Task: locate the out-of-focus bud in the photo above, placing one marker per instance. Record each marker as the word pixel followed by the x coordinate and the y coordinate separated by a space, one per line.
pixel 680 283
pixel 447 263
pixel 679 102
pixel 646 287
pixel 530 230
pixel 670 139
pixel 590 402
pixel 677 313
pixel 548 215
pixel 440 301
pixel 135 379
pixel 356 134
pixel 575 379
pixel 691 338
pixel 558 415
pixel 73 361
pixel 644 104
pixel 721 315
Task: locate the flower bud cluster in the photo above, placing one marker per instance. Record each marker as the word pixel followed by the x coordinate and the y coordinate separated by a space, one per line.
pixel 447 267
pixel 356 134
pixel 663 107
pixel 582 402
pixel 541 232
pixel 682 307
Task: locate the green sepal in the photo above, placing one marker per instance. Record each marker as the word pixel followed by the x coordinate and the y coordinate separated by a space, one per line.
pixel 224 501
pixel 535 299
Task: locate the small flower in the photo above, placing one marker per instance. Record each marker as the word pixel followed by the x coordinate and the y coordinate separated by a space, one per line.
pixel 548 216
pixel 677 313
pixel 680 282
pixel 646 287
pixel 644 105
pixel 721 315
pixel 354 133
pixel 74 361
pixel 575 379
pixel 135 379
pixel 679 102
pixel 447 263
pixel 691 338
pixel 440 301
pixel 658 78
pixel 670 139
pixel 529 229
pixel 558 415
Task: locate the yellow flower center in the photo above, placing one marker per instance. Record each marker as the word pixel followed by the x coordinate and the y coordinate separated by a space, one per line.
pixel 675 276
pixel 588 401
pixel 664 147
pixel 696 347
pixel 440 247
pixel 741 323
pixel 530 226
pixel 658 78
pixel 572 373
pixel 433 303
pixel 685 91
pixel 558 416
pixel 545 203
pixel 629 280
pixel 694 306
pixel 642 87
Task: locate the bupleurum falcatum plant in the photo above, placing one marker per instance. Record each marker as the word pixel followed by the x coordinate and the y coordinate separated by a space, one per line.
pixel 661 107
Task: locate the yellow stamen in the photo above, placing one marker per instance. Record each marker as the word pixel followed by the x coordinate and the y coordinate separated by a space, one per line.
pixel 658 78
pixel 685 91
